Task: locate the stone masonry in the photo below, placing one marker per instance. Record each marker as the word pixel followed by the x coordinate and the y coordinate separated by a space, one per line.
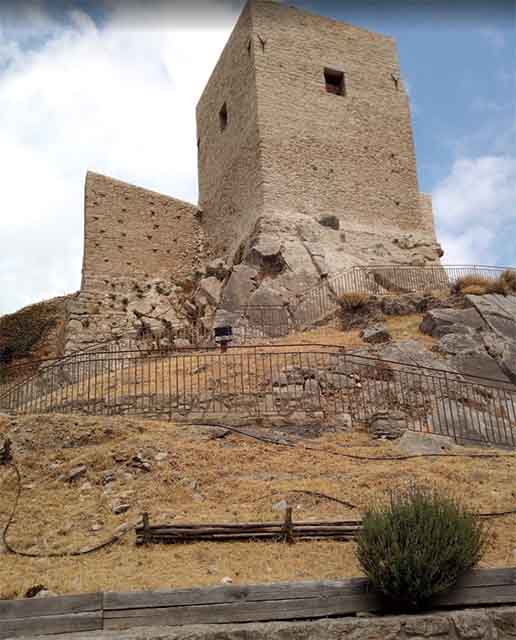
pixel 468 624
pixel 306 168
pixel 133 232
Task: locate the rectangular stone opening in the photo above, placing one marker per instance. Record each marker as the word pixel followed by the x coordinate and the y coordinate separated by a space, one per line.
pixel 223 117
pixel 334 81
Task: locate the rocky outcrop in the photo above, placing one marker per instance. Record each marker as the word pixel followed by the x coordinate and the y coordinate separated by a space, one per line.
pixel 481 338
pixel 293 252
pixel 439 322
pixel 375 333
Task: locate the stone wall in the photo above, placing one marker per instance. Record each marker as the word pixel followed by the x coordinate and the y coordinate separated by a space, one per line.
pixel 469 624
pixel 426 214
pixel 133 232
pixel 230 180
pixel 141 251
pixel 350 155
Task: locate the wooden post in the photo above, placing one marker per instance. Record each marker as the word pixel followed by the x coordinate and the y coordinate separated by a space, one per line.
pixel 287 527
pixel 145 523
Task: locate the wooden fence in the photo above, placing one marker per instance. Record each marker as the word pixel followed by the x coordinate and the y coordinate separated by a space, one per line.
pixel 288 531
pixel 231 604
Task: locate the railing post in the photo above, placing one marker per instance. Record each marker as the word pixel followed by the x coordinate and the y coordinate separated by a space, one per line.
pixel 288 532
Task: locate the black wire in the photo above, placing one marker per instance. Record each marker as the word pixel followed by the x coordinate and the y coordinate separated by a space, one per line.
pixel 63 554
pixel 238 430
pixel 346 455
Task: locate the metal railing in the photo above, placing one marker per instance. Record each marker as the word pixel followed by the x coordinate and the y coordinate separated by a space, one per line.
pixel 250 324
pixel 321 381
pixel 320 302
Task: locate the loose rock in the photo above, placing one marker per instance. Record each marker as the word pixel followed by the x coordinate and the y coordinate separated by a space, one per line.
pixel 375 334
pixel 389 425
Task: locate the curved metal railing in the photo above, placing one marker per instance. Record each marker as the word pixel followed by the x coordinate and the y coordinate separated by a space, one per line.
pixel 263 380
pixel 384 280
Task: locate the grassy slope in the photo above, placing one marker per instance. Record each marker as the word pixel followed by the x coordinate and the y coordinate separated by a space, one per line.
pixel 205 479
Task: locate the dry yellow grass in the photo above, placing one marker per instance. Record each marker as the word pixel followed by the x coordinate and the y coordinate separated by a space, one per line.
pixel 354 301
pixel 326 335
pixel 407 328
pixel 245 369
pixel 505 284
pixel 204 479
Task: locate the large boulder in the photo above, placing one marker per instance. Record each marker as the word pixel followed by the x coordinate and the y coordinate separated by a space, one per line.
pixel 413 443
pixel 267 296
pixel 241 284
pixel 211 289
pixel 508 361
pixel 479 365
pixel 499 313
pixel 454 343
pixel 411 352
pixel 438 322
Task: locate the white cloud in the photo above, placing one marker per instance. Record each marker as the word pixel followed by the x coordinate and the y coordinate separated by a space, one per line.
pixel 475 207
pixel 118 99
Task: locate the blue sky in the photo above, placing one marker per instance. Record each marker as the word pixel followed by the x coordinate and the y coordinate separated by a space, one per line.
pixel 112 86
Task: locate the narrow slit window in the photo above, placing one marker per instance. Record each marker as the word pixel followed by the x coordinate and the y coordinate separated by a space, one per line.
pixel 334 81
pixel 223 117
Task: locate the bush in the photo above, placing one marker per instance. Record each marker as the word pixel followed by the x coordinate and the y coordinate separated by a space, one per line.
pixel 353 301
pixel 505 284
pixel 508 280
pixel 418 545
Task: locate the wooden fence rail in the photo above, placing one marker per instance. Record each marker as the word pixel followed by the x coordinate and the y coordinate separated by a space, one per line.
pixel 288 530
pixel 230 604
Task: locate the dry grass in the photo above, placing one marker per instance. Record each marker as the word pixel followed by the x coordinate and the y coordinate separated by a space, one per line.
pixel 328 334
pixel 407 328
pixel 353 301
pixel 508 280
pixel 239 480
pixel 505 284
pixel 246 370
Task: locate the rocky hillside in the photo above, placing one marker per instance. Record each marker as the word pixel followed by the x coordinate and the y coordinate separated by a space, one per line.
pixel 474 335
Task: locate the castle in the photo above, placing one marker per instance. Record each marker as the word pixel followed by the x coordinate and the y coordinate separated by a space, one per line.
pixel 306 167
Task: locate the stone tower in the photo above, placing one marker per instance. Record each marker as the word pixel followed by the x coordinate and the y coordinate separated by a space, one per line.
pixel 306 119
pixel 306 168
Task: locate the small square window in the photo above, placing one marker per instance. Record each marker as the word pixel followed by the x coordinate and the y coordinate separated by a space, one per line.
pixel 223 117
pixel 334 81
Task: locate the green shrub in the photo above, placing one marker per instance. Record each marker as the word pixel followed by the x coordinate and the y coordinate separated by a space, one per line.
pixel 418 545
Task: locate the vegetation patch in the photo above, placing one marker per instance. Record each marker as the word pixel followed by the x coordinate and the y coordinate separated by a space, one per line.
pixel 33 333
pixel 354 301
pixel 505 284
pixel 153 467
pixel 418 545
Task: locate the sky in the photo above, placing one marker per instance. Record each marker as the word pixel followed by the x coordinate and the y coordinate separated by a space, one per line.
pixel 111 86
